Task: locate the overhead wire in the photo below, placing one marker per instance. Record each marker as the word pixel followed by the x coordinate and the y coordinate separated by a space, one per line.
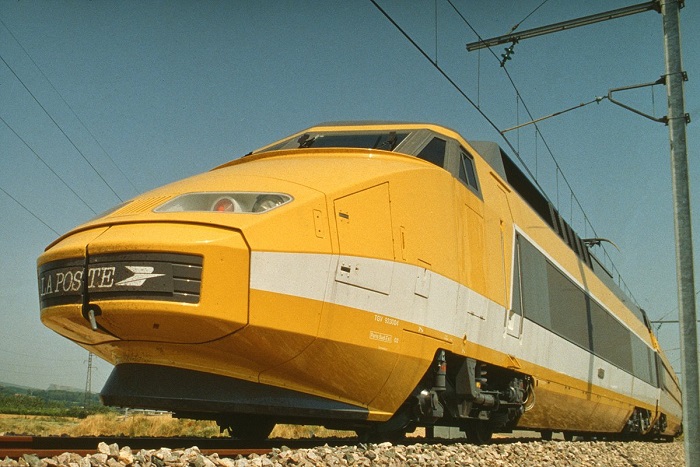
pixel 436 31
pixel 559 171
pixel 672 311
pixel 586 220
pixel 60 129
pixel 68 105
pixel 524 165
pixel 450 80
pixel 574 198
pixel 517 25
pixel 556 114
pixel 17 370
pixel 471 102
pixel 46 164
pixel 518 98
pixel 29 211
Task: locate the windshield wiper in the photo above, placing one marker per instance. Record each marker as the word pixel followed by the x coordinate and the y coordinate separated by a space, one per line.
pixel 390 142
pixel 305 141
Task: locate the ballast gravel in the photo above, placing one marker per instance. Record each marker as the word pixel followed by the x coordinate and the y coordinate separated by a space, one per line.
pixel 536 453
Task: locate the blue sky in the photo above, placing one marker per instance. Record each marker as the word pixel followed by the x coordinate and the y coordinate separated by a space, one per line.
pixel 104 100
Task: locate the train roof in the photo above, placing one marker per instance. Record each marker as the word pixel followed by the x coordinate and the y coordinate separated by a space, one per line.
pixel 401 137
pixel 413 138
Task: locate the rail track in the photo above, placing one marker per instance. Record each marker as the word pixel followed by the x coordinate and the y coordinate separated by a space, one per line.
pixel 15 447
pixel 30 451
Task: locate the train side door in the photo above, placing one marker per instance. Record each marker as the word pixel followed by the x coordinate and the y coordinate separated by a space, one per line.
pixel 472 244
pixel 513 320
pixel 514 313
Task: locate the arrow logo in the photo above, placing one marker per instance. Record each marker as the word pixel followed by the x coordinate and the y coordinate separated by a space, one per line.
pixel 141 274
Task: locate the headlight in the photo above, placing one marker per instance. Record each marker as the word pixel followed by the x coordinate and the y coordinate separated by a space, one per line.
pixel 226 204
pixel 267 202
pixel 236 202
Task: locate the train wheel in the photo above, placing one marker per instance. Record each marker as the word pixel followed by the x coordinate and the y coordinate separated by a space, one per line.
pixel 546 435
pixel 478 432
pixel 250 428
pixel 568 436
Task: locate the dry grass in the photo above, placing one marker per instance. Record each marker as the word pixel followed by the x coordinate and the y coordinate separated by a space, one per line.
pixel 140 425
pixel 36 425
pixel 307 431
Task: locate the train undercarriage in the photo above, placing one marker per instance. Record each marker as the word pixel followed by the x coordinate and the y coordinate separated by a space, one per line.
pixel 460 392
pixel 477 398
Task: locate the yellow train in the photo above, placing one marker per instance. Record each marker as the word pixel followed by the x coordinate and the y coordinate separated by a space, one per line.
pixel 365 276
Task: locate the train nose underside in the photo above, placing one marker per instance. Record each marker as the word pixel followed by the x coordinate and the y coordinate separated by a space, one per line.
pixel 169 304
pixel 144 282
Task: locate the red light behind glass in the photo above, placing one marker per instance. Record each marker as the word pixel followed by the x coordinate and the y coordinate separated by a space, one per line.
pixel 224 205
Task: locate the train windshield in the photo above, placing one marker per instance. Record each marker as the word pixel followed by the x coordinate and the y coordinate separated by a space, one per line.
pixel 385 140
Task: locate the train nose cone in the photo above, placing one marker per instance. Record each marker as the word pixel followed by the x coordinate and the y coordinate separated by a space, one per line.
pixel 159 282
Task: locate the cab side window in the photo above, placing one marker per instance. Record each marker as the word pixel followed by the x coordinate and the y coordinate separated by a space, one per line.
pixel 467 172
pixel 434 152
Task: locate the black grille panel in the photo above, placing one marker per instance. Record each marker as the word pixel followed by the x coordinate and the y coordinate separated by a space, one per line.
pixel 122 276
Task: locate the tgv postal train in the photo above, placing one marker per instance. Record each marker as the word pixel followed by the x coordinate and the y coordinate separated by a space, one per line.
pixel 365 276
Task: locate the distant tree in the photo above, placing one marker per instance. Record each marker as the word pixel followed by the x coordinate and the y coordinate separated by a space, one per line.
pixel 23 401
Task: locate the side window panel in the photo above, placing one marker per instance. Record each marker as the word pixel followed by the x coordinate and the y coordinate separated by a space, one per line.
pixel 467 172
pixel 434 152
pixel 533 281
pixel 544 295
pixel 568 307
pixel 611 340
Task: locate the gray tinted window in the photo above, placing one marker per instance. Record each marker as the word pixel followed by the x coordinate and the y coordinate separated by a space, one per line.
pixel 387 141
pixel 544 295
pixel 467 172
pixel 568 308
pixel 611 340
pixel 533 283
pixel 434 152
